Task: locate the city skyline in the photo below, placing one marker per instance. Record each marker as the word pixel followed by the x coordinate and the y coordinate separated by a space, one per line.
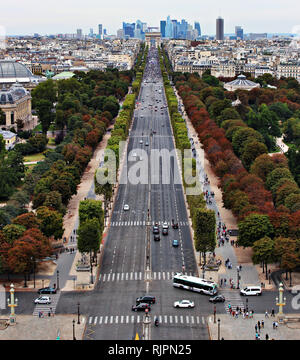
pixel 32 17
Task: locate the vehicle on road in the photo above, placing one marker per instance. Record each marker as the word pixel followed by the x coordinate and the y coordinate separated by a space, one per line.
pixel 156 237
pixel 217 298
pixel 146 144
pixel 175 226
pixel 47 290
pixel 141 142
pixel 126 207
pixel 251 291
pixel 184 304
pixel 165 225
pixel 43 300
pixel 196 284
pixel 141 307
pixel 175 243
pixel 155 229
pixel 147 299
pixel 165 231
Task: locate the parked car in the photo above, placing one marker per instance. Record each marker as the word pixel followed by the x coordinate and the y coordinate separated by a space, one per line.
pixel 47 290
pixel 141 307
pixel 43 300
pixel 184 304
pixel 147 299
pixel 251 291
pixel 217 298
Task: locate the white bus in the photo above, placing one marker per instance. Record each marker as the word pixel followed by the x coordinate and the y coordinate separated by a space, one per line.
pixel 193 283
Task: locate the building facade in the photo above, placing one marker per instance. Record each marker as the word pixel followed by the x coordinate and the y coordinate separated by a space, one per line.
pixel 220 29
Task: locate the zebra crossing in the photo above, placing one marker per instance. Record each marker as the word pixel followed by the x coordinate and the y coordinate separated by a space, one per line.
pixel 233 298
pixel 144 223
pixel 45 308
pixel 138 319
pixel 128 276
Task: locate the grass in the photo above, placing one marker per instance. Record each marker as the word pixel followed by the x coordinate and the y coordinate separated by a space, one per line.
pixel 34 157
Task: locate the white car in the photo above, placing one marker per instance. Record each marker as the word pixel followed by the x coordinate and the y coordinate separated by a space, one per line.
pixel 43 300
pixel 184 304
pixel 251 290
pixel 165 225
pixel 141 142
pixel 126 207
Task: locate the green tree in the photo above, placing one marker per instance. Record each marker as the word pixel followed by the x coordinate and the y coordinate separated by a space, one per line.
pixel 254 227
pixel 45 114
pixel 51 222
pixel 264 252
pixel 252 150
pixel 13 232
pixel 91 209
pixel 242 136
pixel 204 224
pixel 89 236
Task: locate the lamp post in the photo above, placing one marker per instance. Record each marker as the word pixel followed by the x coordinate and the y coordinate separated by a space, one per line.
pixel 57 280
pixel 78 313
pixel 74 279
pixel 74 330
pixel 33 260
pixel 238 279
pixel 280 301
pixel 12 303
pixel 215 313
pixel 25 281
pixel 92 281
pixel 219 321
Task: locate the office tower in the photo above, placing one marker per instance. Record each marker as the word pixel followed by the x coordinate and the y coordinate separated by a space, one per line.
pixel 100 30
pixel 198 28
pixel 128 29
pixel 182 29
pixel 220 29
pixel 239 32
pixel 174 29
pixel 120 34
pixel 163 24
pixel 79 33
pixel 169 28
pixel 91 34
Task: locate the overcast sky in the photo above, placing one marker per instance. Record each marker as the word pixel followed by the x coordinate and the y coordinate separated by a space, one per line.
pixel 65 16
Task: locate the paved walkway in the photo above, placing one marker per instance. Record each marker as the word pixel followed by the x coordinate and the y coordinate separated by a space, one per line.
pixel 47 328
pixel 249 273
pixel 244 329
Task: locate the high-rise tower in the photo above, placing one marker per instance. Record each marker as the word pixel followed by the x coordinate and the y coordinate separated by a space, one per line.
pixel 220 29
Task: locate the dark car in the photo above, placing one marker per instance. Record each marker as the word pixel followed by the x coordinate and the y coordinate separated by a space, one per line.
pixel 175 243
pixel 141 307
pixel 156 237
pixel 147 299
pixel 155 229
pixel 165 232
pixel 47 290
pixel 217 298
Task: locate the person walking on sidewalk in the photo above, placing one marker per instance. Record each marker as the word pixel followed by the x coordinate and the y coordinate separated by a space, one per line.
pixel 267 337
pixel 266 314
pixel 262 324
pixel 273 313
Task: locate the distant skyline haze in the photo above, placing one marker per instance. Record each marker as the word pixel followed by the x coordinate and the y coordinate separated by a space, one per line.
pixel 65 16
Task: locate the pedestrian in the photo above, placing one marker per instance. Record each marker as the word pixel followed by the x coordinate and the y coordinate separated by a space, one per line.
pixel 273 313
pixel 256 336
pixel 262 324
pixel 258 325
pixel 273 324
pixel 255 327
pixel 225 282
pixel 267 337
pixel 221 281
pixel 240 265
pixel 266 314
pixel 49 314
pixel 229 308
pixel 276 325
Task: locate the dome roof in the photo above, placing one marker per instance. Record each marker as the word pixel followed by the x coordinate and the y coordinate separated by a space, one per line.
pixel 9 96
pixel 12 69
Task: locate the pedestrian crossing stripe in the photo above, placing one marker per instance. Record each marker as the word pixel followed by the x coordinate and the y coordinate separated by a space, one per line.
pixel 160 275
pixel 143 223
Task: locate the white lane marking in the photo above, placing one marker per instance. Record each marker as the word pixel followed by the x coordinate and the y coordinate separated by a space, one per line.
pixel 176 319
pixel 163 275
pixel 90 319
pixel 104 276
pixel 113 277
pixel 111 319
pixel 95 320
pixel 127 319
pixel 106 320
pixel 131 276
pixel 181 319
pixel 100 320
pixel 132 319
pixel 126 276
pixel 187 319
pixel 122 317
pixel 117 319
pixel 108 277
pixel 118 275
pixel 203 321
pixel 171 319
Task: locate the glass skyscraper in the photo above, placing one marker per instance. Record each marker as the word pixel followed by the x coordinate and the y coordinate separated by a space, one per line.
pixel 220 29
pixel 197 27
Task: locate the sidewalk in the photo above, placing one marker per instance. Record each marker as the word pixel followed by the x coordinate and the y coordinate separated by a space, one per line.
pixel 47 328
pixel 244 329
pixel 249 274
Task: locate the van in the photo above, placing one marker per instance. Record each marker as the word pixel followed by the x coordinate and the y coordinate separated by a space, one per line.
pixel 251 290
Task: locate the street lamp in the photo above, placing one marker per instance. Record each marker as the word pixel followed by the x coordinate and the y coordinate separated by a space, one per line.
pixel 57 280
pixel 33 259
pixel 74 330
pixel 25 281
pixel 92 281
pixel 12 303
pixel 78 313
pixel 219 321
pixel 215 313
pixel 238 279
pixel 280 301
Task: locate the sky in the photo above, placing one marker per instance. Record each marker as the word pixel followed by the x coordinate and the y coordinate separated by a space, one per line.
pixel 20 17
